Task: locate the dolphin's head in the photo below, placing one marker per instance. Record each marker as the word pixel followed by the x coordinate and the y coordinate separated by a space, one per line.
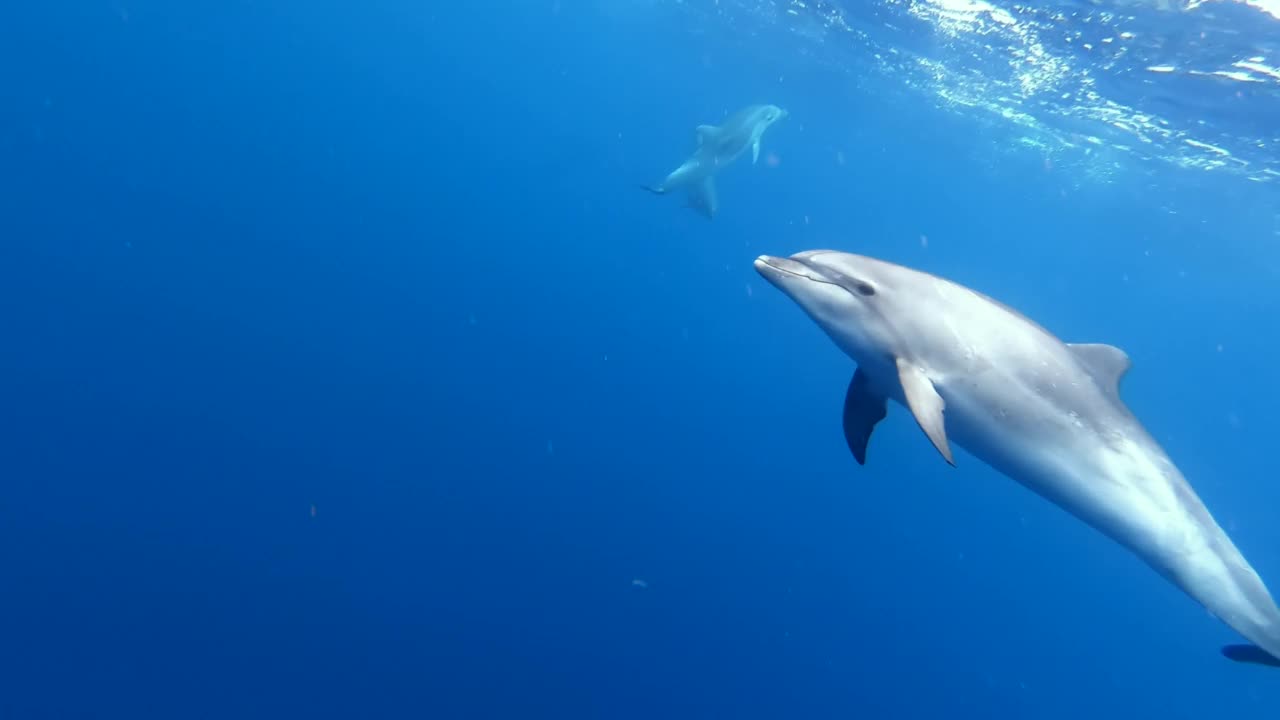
pixel 767 115
pixel 847 295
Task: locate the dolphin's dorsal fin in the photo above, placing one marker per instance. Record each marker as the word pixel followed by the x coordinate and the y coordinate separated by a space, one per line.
pixel 707 134
pixel 926 405
pixel 1106 363
pixel 862 410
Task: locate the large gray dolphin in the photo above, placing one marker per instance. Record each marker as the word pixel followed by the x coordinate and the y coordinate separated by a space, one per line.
pixel 1045 413
pixel 717 147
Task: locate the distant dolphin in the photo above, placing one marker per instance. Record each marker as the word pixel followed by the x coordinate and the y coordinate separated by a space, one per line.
pixel 1045 413
pixel 717 147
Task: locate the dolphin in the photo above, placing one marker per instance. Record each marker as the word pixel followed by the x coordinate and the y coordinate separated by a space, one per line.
pixel 717 147
pixel 977 374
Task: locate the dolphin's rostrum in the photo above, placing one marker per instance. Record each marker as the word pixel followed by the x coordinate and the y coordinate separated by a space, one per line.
pixel 978 375
pixel 717 147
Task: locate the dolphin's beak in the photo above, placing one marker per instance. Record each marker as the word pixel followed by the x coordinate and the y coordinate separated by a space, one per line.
pixel 780 270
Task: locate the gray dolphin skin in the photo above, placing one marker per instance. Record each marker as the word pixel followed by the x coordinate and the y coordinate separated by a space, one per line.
pixel 717 148
pixel 1048 414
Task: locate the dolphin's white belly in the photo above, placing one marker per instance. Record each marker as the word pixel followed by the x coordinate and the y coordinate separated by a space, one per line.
pixel 701 166
pixel 693 170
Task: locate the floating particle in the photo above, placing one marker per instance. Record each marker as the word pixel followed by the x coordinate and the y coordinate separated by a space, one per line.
pixel 551 450
pixel 924 241
pixel 749 291
pixel 773 160
pixel 313 509
pixel 471 319
pixel 638 583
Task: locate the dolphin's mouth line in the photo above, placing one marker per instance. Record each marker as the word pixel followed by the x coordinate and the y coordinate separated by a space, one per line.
pixel 811 278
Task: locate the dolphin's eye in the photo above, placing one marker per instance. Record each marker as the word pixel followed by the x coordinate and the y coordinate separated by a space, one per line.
pixel 863 289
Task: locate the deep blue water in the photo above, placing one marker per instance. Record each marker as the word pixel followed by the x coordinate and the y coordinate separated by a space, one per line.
pixel 348 373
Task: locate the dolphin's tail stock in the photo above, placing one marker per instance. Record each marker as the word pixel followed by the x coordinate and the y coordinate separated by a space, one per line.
pixel 1260 626
pixel 1263 647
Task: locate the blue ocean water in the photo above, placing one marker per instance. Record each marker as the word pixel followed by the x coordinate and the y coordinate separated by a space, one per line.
pixel 349 373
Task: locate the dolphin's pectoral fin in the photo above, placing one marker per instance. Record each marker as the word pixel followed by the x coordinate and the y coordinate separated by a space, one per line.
pixel 755 152
pixel 862 410
pixel 1106 363
pixel 707 134
pixel 654 190
pixel 703 198
pixel 1250 654
pixel 926 405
